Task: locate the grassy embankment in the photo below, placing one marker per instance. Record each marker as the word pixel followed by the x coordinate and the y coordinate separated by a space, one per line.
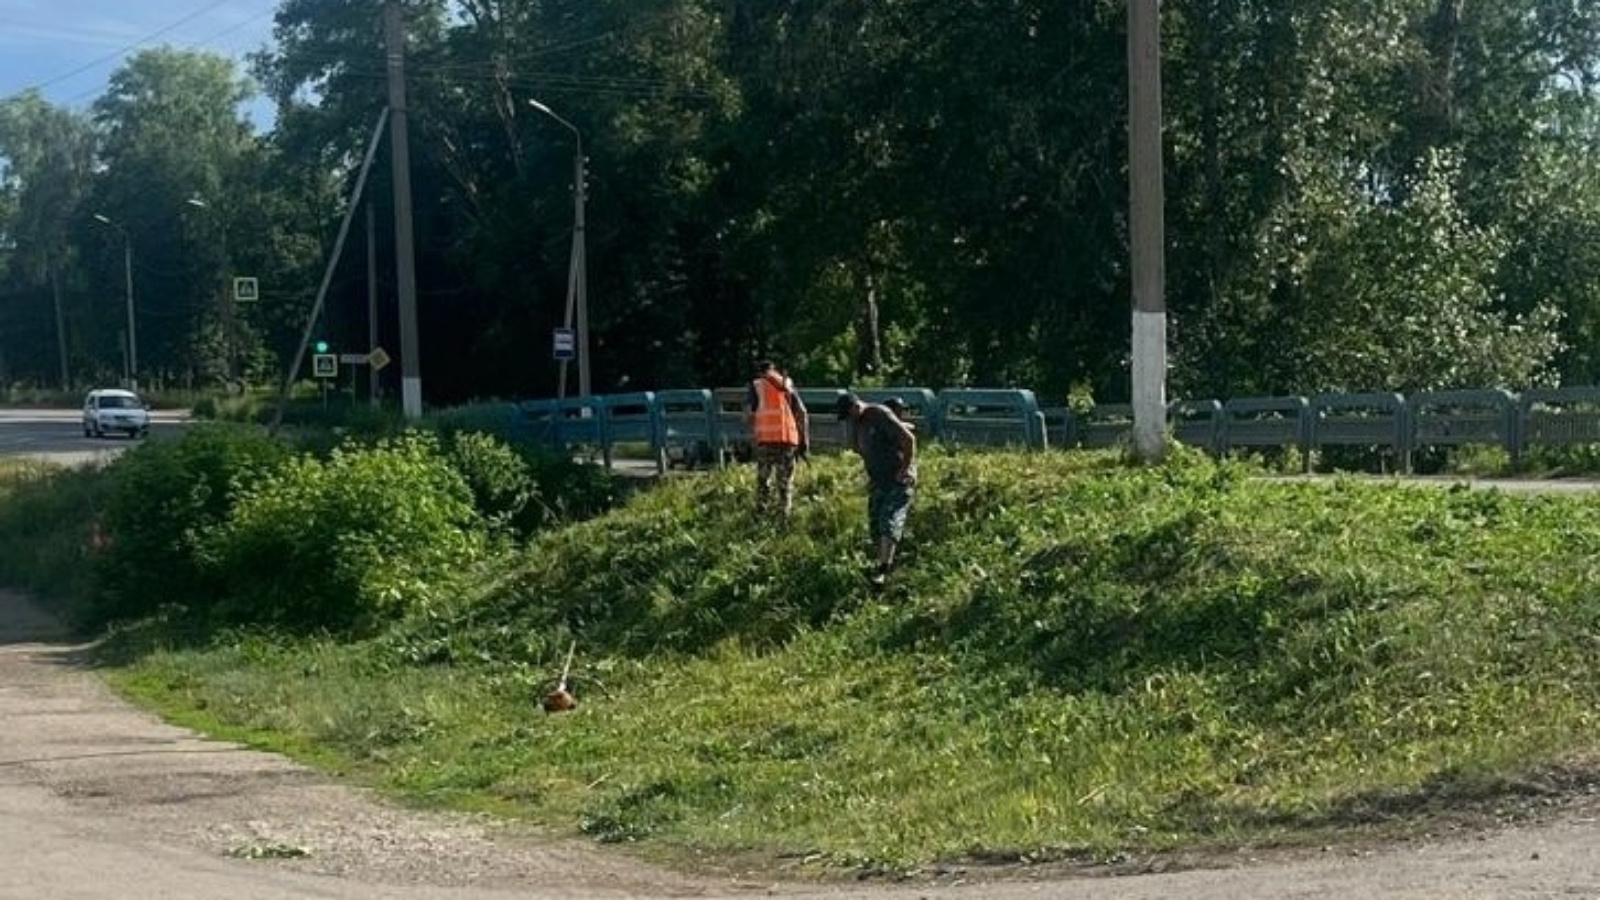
pixel 1077 659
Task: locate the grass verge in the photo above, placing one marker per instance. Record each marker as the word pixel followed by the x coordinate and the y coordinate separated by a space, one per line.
pixel 1076 660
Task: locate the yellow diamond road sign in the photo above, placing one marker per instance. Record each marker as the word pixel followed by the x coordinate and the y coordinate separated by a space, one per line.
pixel 377 359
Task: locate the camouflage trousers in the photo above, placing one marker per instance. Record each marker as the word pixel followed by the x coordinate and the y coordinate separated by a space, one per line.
pixel 775 471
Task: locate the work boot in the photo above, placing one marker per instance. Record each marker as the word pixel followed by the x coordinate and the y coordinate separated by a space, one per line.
pixel 879 576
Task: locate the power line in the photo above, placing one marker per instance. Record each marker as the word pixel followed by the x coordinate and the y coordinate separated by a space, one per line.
pixel 123 51
pixel 201 44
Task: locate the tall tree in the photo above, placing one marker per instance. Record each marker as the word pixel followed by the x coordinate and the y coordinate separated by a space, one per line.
pixel 48 155
pixel 174 133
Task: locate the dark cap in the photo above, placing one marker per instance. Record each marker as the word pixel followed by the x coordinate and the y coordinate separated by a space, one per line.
pixel 842 406
pixel 761 365
pixel 896 404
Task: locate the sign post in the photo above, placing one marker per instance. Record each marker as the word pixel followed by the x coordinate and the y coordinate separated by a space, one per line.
pixel 563 349
pixel 564 344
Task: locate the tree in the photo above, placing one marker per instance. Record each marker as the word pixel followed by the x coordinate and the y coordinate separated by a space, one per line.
pixel 173 132
pixel 49 155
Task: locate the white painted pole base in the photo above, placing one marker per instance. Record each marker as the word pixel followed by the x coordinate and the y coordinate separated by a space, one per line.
pixel 1150 385
pixel 411 397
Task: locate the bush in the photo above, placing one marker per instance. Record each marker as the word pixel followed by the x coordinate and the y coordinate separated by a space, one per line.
pixel 487 417
pixel 49 535
pixel 561 490
pixel 159 497
pixel 349 542
pixel 501 482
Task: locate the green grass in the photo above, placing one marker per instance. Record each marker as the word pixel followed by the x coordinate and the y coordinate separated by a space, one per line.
pixel 1077 659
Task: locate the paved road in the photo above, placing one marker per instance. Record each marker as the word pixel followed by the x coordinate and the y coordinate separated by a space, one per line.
pixel 56 435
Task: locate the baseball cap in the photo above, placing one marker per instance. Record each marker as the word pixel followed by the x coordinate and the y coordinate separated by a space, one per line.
pixel 842 406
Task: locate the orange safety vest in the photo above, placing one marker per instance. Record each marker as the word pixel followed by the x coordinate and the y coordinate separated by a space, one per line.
pixel 774 417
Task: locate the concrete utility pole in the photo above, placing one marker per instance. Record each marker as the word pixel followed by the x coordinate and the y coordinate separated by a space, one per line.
pixel 372 302
pixel 405 260
pixel 1147 230
pixel 131 361
pixel 61 325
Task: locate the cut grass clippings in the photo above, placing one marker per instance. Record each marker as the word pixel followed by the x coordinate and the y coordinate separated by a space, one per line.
pixel 1076 658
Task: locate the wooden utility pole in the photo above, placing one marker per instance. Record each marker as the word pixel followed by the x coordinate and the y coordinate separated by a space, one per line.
pixel 405 260
pixel 1147 230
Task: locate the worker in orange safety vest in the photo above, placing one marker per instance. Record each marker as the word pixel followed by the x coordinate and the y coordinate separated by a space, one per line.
pixel 780 428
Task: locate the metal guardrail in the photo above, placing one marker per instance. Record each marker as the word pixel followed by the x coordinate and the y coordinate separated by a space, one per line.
pixel 826 430
pixel 632 418
pixel 1460 418
pixel 1106 425
pixel 1555 417
pixel 1197 423
pixel 1265 422
pixel 686 426
pixel 712 424
pixel 1360 420
pixel 990 418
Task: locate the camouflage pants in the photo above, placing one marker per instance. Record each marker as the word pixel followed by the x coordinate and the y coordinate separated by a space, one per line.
pixel 774 468
pixel 888 507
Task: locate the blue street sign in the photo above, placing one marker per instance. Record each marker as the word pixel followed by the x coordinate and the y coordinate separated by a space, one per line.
pixel 564 344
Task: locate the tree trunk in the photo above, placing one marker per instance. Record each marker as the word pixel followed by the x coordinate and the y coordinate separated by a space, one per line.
pixel 869 335
pixel 1436 99
pixel 1211 143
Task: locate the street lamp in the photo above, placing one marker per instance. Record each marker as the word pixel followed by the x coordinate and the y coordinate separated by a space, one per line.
pixel 132 373
pixel 230 314
pixel 577 276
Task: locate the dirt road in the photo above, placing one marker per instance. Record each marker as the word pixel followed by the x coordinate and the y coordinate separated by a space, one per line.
pixel 100 801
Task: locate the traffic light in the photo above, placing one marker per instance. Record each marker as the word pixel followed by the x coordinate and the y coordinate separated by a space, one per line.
pixel 322 346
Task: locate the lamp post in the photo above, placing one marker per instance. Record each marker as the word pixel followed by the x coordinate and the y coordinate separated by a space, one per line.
pixel 132 373
pixel 577 276
pixel 229 312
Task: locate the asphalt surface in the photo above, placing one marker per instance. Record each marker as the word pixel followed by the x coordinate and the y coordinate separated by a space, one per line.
pixel 56 435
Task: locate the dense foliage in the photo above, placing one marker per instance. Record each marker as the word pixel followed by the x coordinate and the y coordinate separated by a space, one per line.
pixel 1402 196
pixel 228 527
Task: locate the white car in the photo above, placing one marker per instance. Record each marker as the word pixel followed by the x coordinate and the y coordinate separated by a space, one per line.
pixel 110 411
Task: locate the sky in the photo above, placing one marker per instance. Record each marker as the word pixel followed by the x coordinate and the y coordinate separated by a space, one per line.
pixel 69 48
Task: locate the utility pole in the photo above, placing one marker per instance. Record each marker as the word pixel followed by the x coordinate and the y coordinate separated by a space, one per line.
pixel 61 324
pixel 1147 230
pixel 327 273
pixel 405 260
pixel 133 333
pixel 372 302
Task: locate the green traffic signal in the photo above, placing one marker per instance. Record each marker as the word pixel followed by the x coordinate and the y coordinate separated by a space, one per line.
pixel 322 346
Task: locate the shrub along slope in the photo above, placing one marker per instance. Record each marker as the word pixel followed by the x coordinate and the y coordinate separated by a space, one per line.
pixel 1075 657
